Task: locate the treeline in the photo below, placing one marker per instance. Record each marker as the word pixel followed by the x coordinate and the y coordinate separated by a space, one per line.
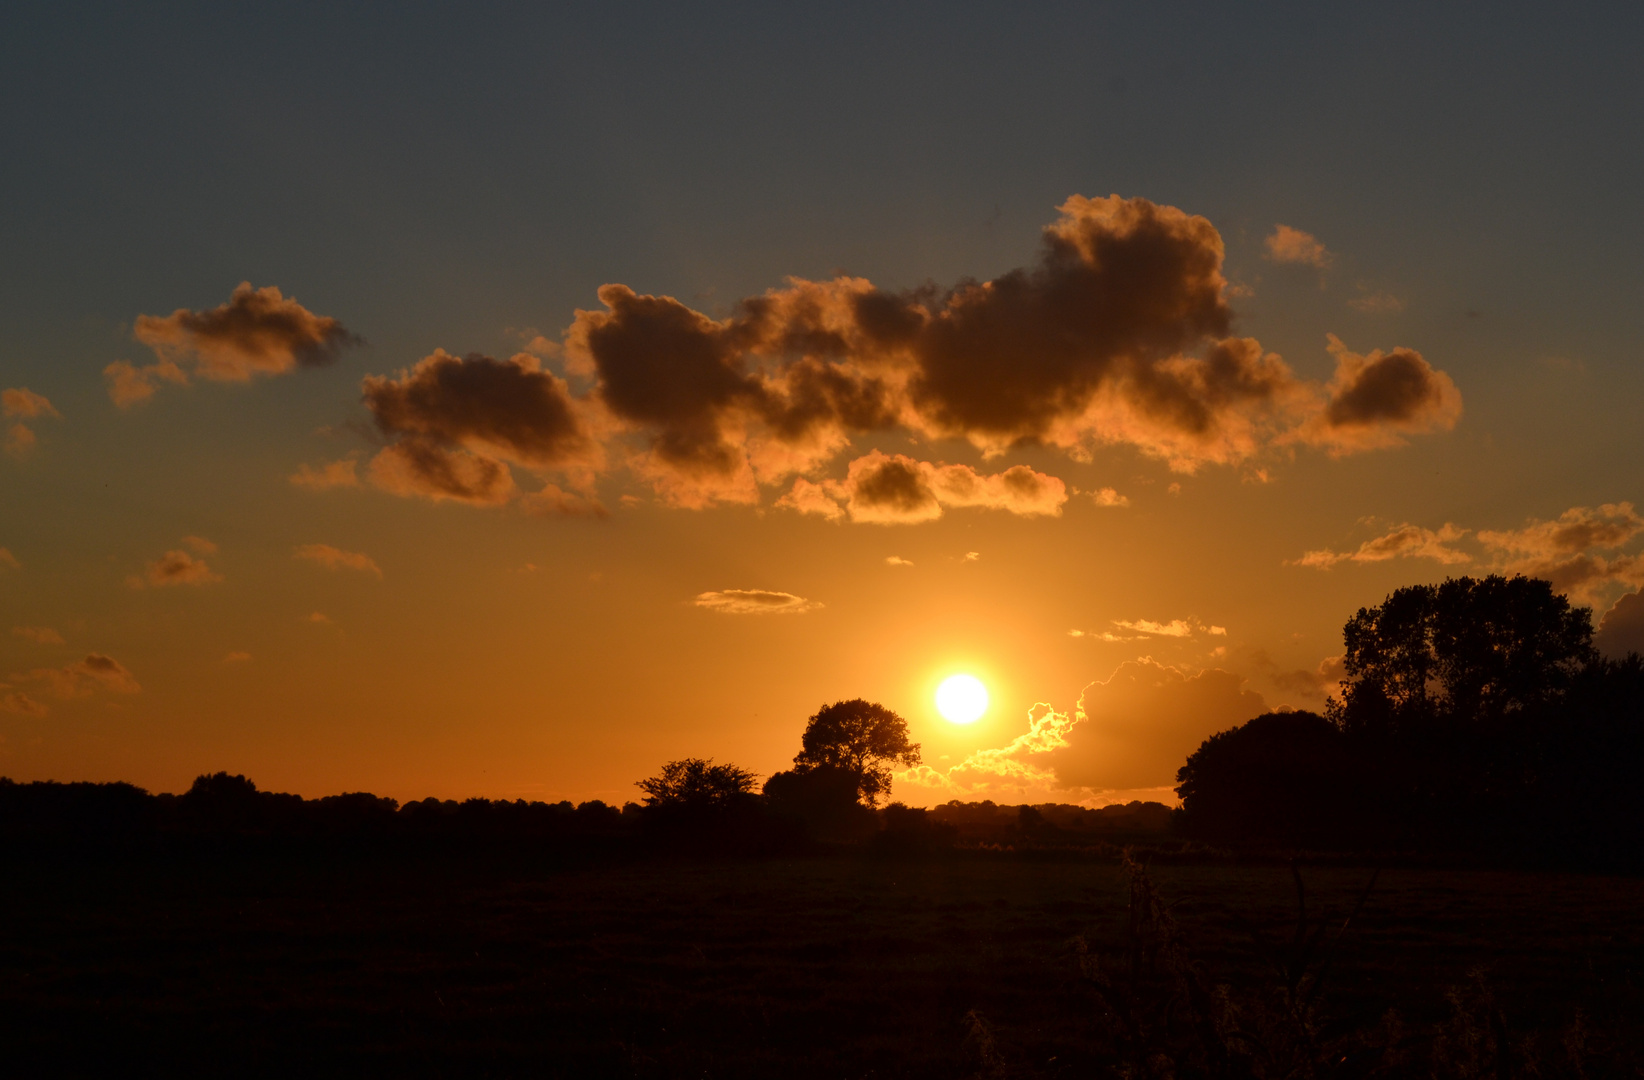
pixel 223 807
pixel 1476 718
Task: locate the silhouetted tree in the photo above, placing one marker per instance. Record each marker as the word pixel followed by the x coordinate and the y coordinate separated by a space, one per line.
pixel 1472 651
pixel 825 799
pixel 697 784
pixel 862 738
pixel 1282 777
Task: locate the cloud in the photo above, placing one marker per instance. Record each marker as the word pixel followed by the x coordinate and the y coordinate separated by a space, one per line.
pixel 1375 400
pixel 200 545
pixel 1579 528
pixel 1318 682
pixel 42 635
pixel 897 560
pixel 174 568
pixel 811 498
pixel 898 490
pixel 8 560
pixel 258 332
pixel 1115 334
pixel 1405 541
pixel 554 501
pixel 1142 629
pixel 1376 303
pixel 129 385
pixel 332 474
pixel 755 602
pixel 1133 730
pixel 25 403
pixel 1621 630
pixel 1287 245
pixel 82 677
pixel 457 424
pixel 15 701
pixel 319 618
pixel 1108 497
pixel 337 559
pixel 236 657
pixel 1563 550
pixel 971 556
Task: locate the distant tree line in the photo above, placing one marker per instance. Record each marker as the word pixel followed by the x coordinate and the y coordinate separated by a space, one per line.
pixel 1476 716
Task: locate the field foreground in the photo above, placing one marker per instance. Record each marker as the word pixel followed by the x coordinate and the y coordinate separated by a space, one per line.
pixel 820 967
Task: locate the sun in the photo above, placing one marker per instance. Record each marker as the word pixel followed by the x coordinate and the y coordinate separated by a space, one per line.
pixel 961 699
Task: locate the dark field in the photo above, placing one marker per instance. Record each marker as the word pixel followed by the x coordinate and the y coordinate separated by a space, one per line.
pixel 821 967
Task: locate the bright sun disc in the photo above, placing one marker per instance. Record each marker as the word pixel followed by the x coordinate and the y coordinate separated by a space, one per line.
pixel 961 699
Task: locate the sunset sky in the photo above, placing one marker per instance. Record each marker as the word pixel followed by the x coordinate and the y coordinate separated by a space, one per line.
pixel 431 402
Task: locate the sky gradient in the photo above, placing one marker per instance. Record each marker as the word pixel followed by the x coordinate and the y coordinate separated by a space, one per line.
pixel 431 403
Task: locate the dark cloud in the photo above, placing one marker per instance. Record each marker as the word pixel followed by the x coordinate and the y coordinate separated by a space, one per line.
pixel 1118 333
pixel 1403 542
pixel 1376 399
pixel 258 331
pixel 1621 630
pixel 455 424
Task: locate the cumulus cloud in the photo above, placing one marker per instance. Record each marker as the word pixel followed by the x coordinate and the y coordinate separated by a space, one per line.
pixel 755 602
pixel 1376 400
pixel 1117 333
pixel 42 635
pixel 333 558
pixel 897 560
pixel 1405 541
pixel 79 679
pixel 1108 497
pixel 258 332
pixel 175 567
pixel 332 474
pixel 1131 731
pixel 898 490
pixel 1621 630
pixel 26 404
pixel 1287 245
pixel 457 423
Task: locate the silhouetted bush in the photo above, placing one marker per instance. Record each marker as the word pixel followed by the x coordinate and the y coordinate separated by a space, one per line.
pixel 824 799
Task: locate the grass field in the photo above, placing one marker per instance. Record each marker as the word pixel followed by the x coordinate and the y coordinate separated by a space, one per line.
pixel 825 967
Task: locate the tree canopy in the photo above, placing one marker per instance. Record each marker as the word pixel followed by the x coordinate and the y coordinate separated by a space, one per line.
pixel 1472 650
pixel 861 737
pixel 697 784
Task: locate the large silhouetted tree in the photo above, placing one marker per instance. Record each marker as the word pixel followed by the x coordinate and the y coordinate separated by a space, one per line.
pixel 1468 651
pixel 862 738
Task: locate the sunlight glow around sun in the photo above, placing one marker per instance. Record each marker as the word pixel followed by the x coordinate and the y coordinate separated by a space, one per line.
pixel 961 699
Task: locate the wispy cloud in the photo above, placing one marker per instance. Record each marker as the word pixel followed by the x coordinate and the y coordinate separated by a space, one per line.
pixel 42 635
pixel 755 602
pixel 1287 245
pixel 333 558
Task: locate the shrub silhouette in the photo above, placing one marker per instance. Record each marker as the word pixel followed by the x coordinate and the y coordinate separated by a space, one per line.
pixel 824 798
